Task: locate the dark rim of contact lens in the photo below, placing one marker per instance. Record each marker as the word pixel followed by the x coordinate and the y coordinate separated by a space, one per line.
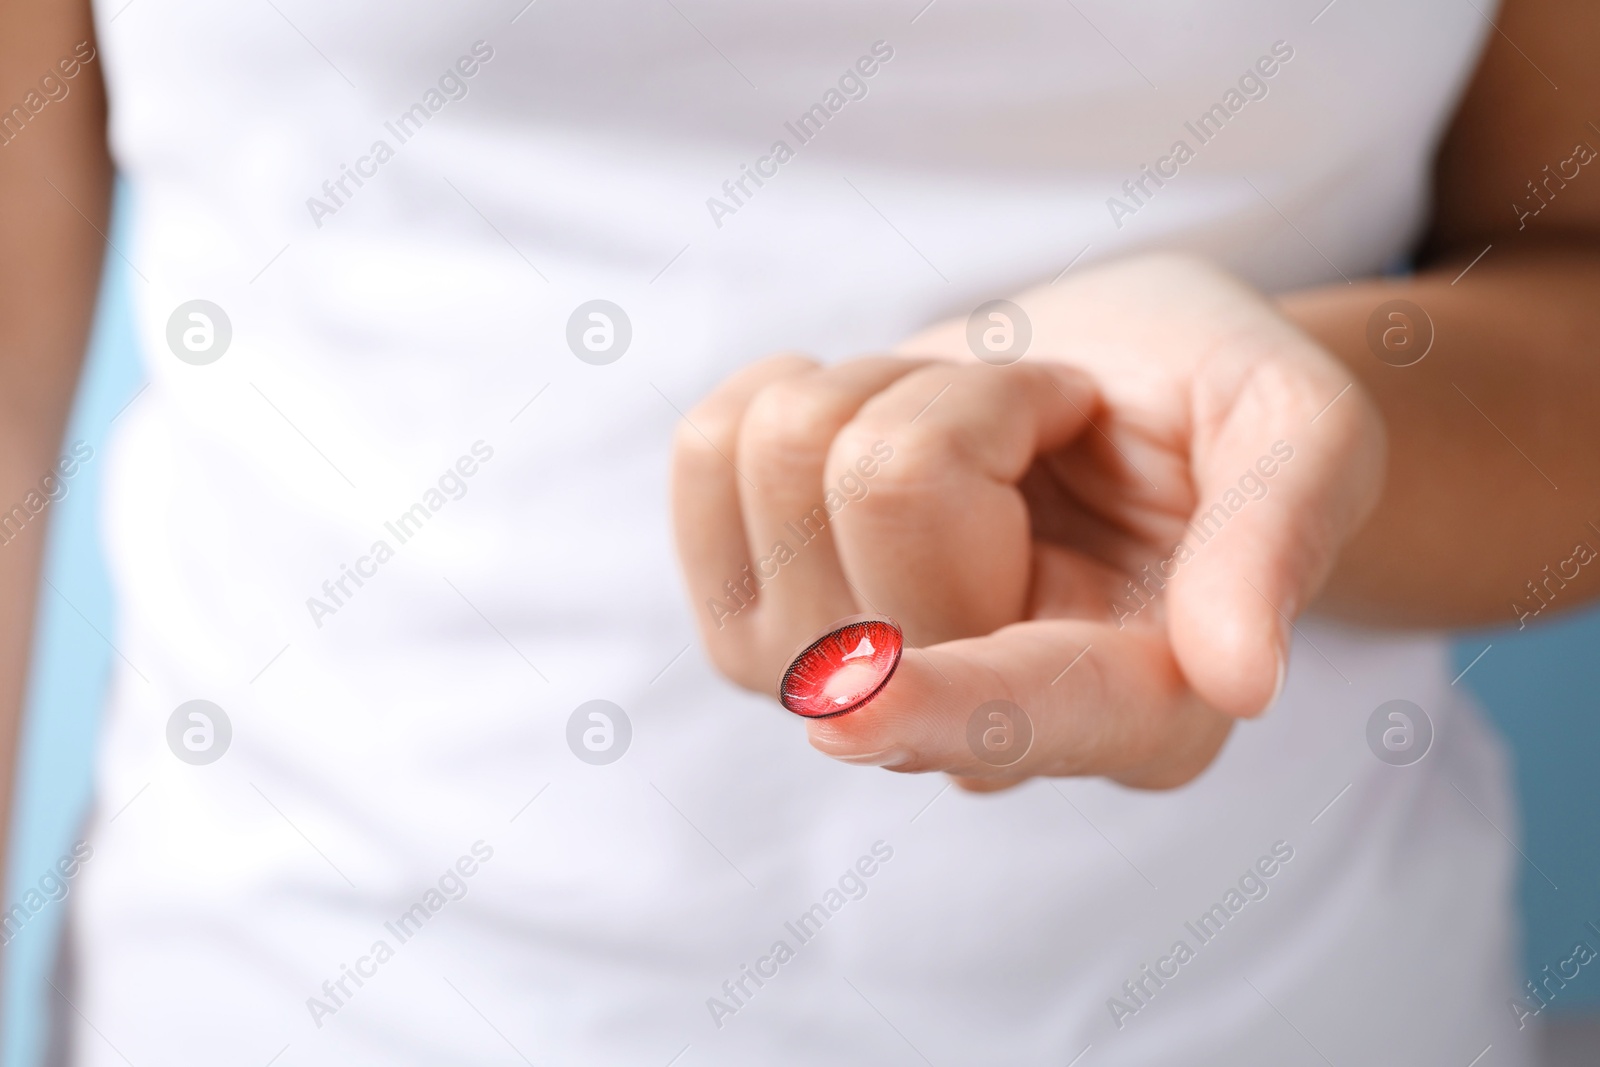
pixel 843 626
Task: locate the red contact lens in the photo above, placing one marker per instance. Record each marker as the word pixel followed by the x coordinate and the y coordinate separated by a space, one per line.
pixel 844 668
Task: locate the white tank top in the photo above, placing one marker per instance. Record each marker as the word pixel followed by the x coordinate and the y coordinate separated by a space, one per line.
pixel 406 852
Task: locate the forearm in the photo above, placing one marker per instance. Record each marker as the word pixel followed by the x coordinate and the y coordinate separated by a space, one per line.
pixel 23 462
pixel 55 180
pixel 1494 440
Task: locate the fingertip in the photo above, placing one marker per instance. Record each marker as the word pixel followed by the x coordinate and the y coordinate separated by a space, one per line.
pixel 1233 650
pixel 899 720
pixel 1078 391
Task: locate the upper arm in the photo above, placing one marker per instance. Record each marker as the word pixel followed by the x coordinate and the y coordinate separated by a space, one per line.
pixel 55 181
pixel 1531 105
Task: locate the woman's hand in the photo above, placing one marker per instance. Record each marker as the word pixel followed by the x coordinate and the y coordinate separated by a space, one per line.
pixel 1111 535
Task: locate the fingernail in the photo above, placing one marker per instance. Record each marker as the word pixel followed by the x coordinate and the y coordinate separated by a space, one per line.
pixel 885 758
pixel 1282 653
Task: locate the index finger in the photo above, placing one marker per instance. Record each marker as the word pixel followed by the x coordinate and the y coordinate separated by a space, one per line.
pixel 1051 697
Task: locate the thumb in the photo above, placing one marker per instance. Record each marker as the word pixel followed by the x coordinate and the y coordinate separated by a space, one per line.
pixel 1289 474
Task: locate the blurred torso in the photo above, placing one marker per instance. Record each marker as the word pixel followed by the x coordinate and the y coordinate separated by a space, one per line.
pixel 382 329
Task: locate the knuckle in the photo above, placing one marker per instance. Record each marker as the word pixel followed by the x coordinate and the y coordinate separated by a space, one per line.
pixel 792 415
pixel 704 430
pixel 921 457
pixel 716 422
pixel 925 423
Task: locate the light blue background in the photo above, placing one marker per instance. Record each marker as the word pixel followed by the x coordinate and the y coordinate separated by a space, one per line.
pixel 1542 688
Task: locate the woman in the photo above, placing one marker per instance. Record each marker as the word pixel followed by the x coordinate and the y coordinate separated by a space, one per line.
pixel 423 292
